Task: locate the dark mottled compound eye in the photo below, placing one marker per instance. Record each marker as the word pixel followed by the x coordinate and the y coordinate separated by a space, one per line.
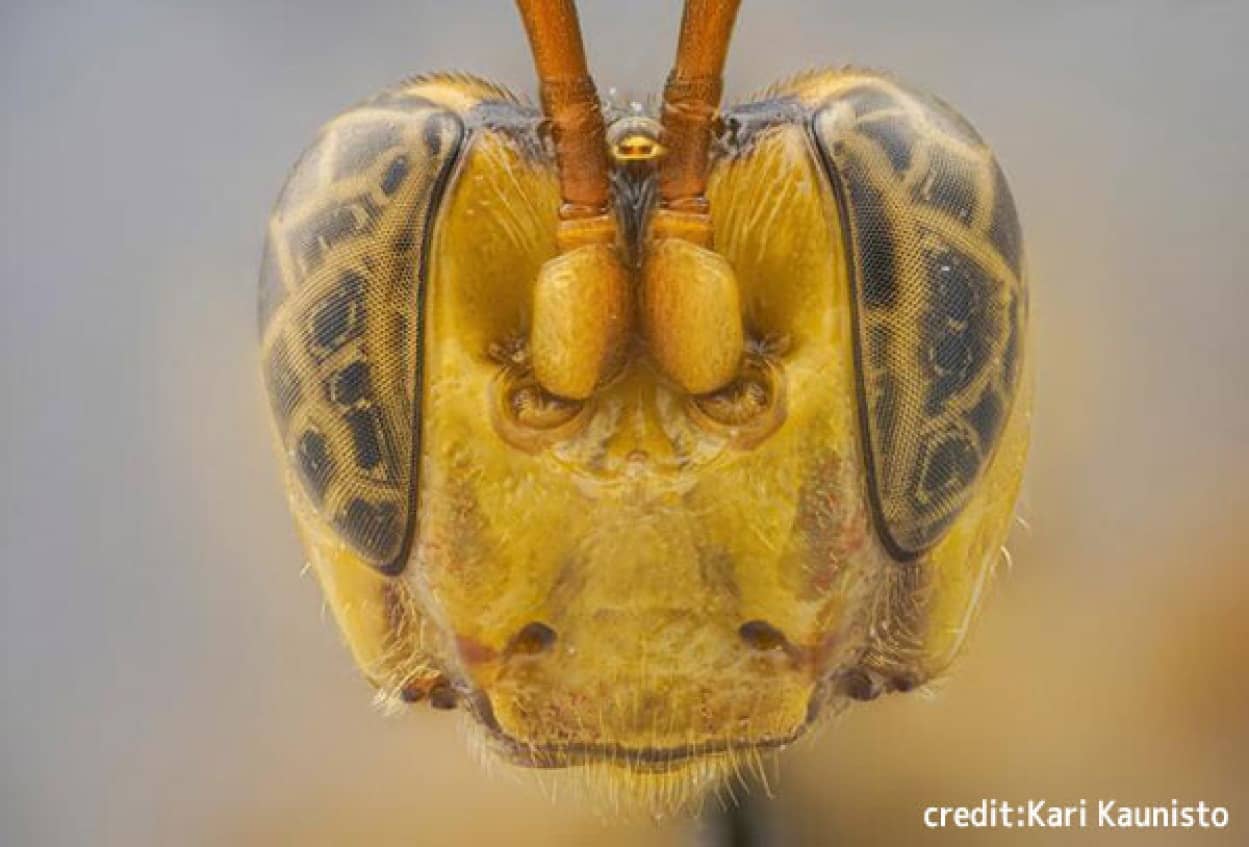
pixel 934 253
pixel 347 241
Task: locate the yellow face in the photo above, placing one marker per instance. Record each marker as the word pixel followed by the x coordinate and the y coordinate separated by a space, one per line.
pixel 690 575
pixel 647 578
pixel 649 583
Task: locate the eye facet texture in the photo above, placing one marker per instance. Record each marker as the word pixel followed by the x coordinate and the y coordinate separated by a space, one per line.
pixel 934 253
pixel 341 287
pixel 934 249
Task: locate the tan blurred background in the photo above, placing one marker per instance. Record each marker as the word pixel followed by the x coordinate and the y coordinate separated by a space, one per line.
pixel 167 675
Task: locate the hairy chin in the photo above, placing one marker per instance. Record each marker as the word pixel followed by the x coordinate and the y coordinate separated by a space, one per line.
pixel 620 788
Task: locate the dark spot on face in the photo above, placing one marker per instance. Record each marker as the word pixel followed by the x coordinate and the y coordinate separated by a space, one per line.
pixel 761 635
pixel 339 317
pixel 950 185
pixel 986 418
pixel 868 98
pixel 857 685
pixel 395 172
pixel 534 638
pixel 372 528
pixel 902 683
pixel 896 137
pixel 365 438
pixel 349 385
pixel 443 697
pixel 315 465
pixel 1004 229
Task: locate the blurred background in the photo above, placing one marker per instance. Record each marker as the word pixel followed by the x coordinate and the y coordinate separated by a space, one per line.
pixel 168 677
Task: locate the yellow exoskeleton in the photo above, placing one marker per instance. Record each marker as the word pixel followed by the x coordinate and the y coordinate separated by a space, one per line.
pixel 648 439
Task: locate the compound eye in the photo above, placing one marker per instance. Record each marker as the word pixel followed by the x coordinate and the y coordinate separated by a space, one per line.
pixel 940 300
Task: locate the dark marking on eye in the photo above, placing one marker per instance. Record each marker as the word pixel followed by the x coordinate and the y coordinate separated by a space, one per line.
pixel 405 241
pixel 1004 229
pixel 283 385
pixel 873 236
pixel 323 230
pixel 957 326
pixel 436 125
pixel 371 211
pixel 1010 351
pixel 349 385
pixel 395 172
pixel 314 462
pixel 360 146
pixel 868 98
pixel 896 137
pixel 885 409
pixel 950 185
pixel 340 317
pixel 986 418
pixel 372 528
pixel 364 437
pixel 949 464
pixel 950 360
pixel 879 340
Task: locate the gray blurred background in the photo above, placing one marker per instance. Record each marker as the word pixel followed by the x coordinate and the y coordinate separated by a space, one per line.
pixel 168 676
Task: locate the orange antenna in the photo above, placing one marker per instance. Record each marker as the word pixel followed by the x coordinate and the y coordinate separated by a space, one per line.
pixel 691 100
pixel 690 300
pixel 582 306
pixel 571 103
